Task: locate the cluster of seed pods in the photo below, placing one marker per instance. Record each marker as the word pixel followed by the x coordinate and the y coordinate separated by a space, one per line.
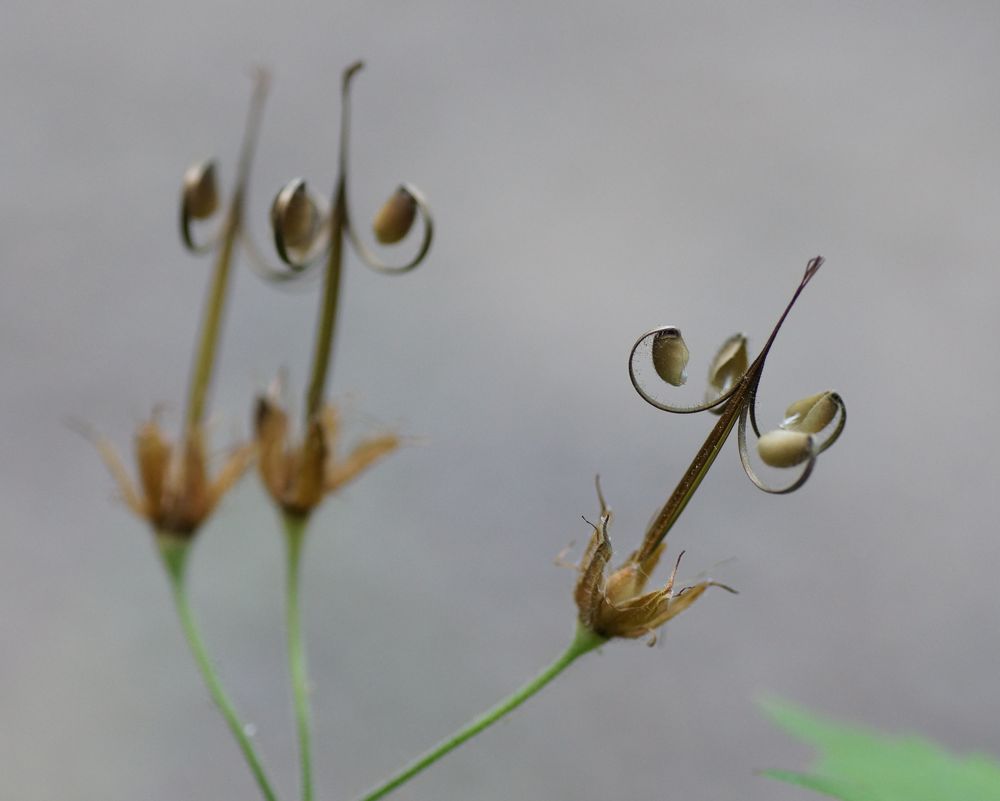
pixel 732 382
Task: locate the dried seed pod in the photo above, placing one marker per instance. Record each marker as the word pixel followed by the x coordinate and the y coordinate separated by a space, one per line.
pixel 295 217
pixel 811 414
pixel 729 364
pixel 201 191
pixel 781 448
pixel 394 220
pixel 670 356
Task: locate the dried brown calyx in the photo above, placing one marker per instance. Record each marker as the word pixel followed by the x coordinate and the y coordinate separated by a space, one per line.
pixel 298 476
pixel 615 604
pixel 175 493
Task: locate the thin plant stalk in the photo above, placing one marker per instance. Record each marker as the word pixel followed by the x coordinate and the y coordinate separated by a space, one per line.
pixel 175 553
pixel 584 641
pixel 690 481
pixel 331 296
pixel 211 326
pixel 331 285
pixel 295 530
pixel 295 526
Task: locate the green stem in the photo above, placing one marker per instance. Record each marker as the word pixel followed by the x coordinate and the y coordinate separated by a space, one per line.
pixel 204 359
pixel 584 641
pixel 295 529
pixel 174 553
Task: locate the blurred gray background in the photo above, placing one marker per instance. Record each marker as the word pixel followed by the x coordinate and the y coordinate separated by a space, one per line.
pixel 596 170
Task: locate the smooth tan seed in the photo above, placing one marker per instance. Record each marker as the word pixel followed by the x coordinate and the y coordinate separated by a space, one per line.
pixel 811 414
pixel 670 356
pixel 201 193
pixel 782 448
pixel 295 216
pixel 394 220
pixel 729 363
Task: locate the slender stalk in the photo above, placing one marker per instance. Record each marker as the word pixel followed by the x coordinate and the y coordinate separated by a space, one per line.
pixel 328 311
pixel 174 553
pixel 204 358
pixel 584 641
pixel 686 487
pixel 331 284
pixel 295 530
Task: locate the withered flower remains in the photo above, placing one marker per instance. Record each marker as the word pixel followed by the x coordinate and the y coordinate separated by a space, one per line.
pixel 616 605
pixel 305 230
pixel 175 492
pixel 297 478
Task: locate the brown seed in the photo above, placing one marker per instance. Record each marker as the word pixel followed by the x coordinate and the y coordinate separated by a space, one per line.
pixel 295 216
pixel 782 448
pixel 729 363
pixel 395 218
pixel 201 192
pixel 811 414
pixel 670 356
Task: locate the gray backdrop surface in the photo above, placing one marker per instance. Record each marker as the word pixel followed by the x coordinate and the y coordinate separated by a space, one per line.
pixel 596 170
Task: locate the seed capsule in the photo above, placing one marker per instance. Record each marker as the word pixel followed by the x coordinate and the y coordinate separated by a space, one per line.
pixel 782 448
pixel 295 217
pixel 729 364
pixel 670 356
pixel 811 414
pixel 200 192
pixel 396 217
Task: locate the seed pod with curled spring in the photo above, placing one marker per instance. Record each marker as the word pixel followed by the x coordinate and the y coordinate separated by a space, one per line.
pixel 201 191
pixel 295 216
pixel 670 356
pixel 394 220
pixel 811 414
pixel 729 364
pixel 297 222
pixel 781 448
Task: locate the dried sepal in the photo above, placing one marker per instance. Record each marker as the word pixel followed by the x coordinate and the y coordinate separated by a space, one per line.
pixel 728 366
pixel 292 475
pixel 365 454
pixel 781 448
pixel 589 590
pixel 271 430
pixel 311 464
pixel 812 414
pixel 670 356
pixel 631 578
pixel 152 455
pixel 394 220
pixel 200 192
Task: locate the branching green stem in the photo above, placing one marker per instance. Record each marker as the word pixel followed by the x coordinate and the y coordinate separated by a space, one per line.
pixel 174 553
pixel 295 530
pixel 584 641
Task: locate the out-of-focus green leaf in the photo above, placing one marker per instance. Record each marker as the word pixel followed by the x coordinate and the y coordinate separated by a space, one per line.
pixel 856 764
